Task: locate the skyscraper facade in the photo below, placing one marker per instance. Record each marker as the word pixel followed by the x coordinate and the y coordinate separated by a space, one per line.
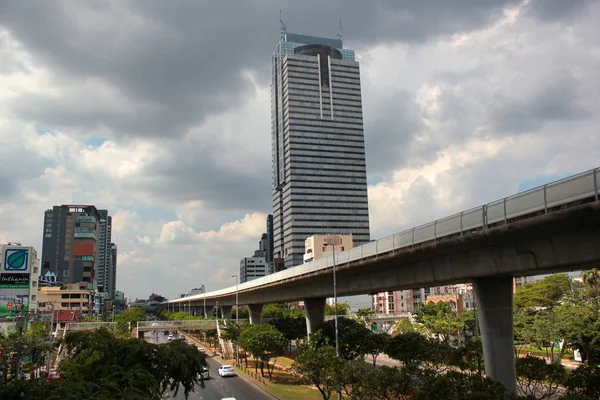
pixel 77 247
pixel 319 170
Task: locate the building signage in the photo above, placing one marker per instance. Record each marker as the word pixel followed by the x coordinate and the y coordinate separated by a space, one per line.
pixel 16 260
pixel 14 304
pixel 14 280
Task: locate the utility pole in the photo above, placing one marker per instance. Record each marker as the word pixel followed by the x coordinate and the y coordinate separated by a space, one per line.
pixel 332 241
pixel 20 320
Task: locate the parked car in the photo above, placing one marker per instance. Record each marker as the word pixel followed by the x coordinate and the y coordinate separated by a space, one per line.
pixel 201 349
pixel 191 343
pixel 170 338
pixel 226 370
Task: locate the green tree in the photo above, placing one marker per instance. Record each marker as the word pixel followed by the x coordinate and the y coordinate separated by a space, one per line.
pixel 351 335
pixel 584 381
pixel 386 383
pixel 127 320
pixel 402 326
pixel 264 342
pixel 542 294
pixel 538 379
pixel 342 309
pixel 523 330
pixel 578 322
pixel 410 348
pixel 365 314
pixel 292 327
pixel 103 367
pixel 455 385
pixel 374 344
pixel 591 277
pixel 320 366
pixel 280 310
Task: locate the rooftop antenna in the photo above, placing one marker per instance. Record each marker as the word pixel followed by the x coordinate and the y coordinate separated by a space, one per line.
pixel 339 34
pixel 282 25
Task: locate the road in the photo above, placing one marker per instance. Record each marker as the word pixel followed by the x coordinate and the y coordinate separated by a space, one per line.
pixel 218 388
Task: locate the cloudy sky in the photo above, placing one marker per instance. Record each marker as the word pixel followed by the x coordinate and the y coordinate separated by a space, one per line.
pixel 160 112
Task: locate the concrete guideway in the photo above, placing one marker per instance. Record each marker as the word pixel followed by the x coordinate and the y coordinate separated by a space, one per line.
pixel 552 228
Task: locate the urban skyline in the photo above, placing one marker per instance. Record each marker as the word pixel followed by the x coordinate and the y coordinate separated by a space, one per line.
pixel 467 106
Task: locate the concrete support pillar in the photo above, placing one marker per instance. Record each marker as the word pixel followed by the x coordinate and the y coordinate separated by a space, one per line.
pixel 494 301
pixel 255 313
pixel 315 314
pixel 226 311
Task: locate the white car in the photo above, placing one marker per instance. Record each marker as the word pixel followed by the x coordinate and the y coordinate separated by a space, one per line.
pixel 226 370
pixel 170 338
pixel 201 349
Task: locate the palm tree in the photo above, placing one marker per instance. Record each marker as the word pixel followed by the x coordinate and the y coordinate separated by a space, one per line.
pixel 591 277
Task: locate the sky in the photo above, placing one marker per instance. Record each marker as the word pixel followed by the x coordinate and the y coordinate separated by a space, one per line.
pixel 160 112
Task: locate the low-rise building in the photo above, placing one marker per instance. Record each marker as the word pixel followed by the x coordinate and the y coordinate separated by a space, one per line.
pixel 70 296
pixel 318 246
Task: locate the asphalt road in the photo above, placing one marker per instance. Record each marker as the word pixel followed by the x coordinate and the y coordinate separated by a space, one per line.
pixel 218 388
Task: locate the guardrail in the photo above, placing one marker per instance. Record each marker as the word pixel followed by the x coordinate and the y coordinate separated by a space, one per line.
pixel 87 326
pixel 168 325
pixel 543 199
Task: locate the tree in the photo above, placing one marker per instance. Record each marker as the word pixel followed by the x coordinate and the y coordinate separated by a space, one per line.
pixel 292 327
pixel 365 314
pixel 578 322
pixel 374 344
pixel 455 385
pixel 351 335
pixel 411 348
pixel 128 319
pixel 264 342
pixel 280 310
pixel 538 379
pixel 320 366
pixel 104 367
pixel 591 277
pixel 523 330
pixel 542 294
pixel 342 309
pixel 402 326
pixel 386 383
pixel 584 381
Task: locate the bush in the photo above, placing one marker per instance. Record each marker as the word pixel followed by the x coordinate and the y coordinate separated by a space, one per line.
pixel 540 380
pixel 584 381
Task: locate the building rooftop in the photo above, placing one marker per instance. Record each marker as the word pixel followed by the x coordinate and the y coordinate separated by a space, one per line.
pixel 306 39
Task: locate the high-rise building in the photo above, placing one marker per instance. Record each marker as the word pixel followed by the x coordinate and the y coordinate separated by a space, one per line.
pixel 103 268
pixel 252 268
pixel 77 247
pixel 318 152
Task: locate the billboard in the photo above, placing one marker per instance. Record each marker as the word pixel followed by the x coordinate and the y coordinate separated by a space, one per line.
pixel 15 272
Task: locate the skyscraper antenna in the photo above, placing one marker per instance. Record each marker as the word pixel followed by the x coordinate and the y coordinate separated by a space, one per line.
pixel 282 25
pixel 339 34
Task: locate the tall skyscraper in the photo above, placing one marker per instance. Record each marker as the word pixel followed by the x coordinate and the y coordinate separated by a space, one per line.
pixel 77 246
pixel 319 170
pixel 103 269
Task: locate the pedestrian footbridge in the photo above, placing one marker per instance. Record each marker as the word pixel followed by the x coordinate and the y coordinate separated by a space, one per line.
pixel 144 326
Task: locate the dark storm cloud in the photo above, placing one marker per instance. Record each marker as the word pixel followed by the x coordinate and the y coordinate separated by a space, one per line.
pixel 555 98
pixel 184 60
pixel 179 175
pixel 552 10
pixel 390 127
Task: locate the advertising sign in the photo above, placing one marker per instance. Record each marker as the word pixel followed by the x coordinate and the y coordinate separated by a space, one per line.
pixel 14 280
pixel 16 260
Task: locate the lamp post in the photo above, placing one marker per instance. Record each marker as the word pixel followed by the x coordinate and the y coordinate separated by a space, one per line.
pixel 332 241
pixel 204 292
pixel 237 320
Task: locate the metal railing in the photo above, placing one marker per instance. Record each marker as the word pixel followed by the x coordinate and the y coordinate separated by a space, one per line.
pixel 539 200
pixel 168 325
pixel 87 326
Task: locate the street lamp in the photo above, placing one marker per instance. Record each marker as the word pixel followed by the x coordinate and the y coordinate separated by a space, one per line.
pixel 237 320
pixel 332 241
pixel 204 292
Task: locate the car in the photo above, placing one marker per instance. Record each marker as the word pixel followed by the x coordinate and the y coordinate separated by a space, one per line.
pixel 227 398
pixel 170 338
pixel 53 376
pixel 165 333
pixel 201 349
pixel 226 370
pixel 191 343
pixel 205 374
pixel 181 337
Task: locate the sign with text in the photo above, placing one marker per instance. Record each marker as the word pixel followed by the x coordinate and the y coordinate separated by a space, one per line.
pixel 14 280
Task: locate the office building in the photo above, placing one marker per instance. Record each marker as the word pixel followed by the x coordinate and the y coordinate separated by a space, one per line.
pixel 103 268
pixel 252 268
pixel 318 246
pixel 77 248
pixel 318 154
